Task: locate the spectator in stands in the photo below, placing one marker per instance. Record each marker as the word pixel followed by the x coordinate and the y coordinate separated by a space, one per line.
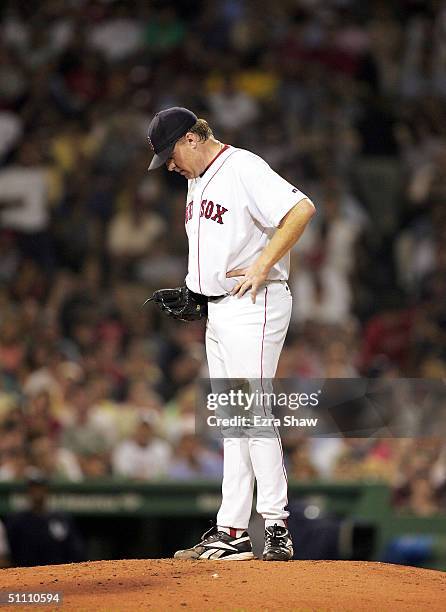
pixel 131 235
pixel 422 498
pixel 40 421
pixel 54 461
pixel 13 459
pixel 322 286
pixel 231 108
pixel 191 460
pixel 144 456
pixel 179 415
pixel 388 333
pixel 300 464
pixel 80 435
pixel 24 201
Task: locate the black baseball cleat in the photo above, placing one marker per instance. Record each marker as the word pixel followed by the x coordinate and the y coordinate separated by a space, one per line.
pixel 218 545
pixel 278 544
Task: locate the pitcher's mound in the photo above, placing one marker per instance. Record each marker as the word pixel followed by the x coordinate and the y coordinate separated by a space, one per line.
pixel 168 584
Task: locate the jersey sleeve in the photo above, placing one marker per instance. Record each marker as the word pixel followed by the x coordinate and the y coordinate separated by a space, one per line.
pixel 270 197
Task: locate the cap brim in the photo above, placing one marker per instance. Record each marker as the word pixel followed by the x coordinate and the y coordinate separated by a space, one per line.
pixel 159 159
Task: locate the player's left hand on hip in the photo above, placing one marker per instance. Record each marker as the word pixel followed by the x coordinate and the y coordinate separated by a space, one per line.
pixel 252 278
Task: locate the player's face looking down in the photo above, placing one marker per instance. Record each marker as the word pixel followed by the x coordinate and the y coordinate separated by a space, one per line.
pixel 186 157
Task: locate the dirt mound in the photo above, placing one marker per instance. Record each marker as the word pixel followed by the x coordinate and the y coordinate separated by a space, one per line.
pixel 168 584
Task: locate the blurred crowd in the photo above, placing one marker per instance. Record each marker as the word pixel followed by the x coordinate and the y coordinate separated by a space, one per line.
pixel 344 98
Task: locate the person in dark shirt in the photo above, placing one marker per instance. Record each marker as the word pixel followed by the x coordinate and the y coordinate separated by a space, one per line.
pixel 40 536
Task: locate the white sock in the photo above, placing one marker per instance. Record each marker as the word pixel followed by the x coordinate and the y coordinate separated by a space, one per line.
pixel 232 531
pixel 279 523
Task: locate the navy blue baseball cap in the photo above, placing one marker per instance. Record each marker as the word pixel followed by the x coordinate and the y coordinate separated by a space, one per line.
pixel 165 129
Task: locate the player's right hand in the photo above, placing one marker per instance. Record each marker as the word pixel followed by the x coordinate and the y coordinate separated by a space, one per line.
pixel 252 277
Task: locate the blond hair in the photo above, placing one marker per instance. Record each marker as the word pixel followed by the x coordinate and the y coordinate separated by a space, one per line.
pixel 202 129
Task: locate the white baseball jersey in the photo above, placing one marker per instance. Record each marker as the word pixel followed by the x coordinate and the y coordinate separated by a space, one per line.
pixel 232 211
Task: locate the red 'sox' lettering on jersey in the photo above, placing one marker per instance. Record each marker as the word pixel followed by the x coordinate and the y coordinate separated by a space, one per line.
pixel 207 211
pixel 188 212
pixel 219 214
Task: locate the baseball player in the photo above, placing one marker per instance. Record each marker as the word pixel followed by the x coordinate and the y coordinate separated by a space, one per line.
pixel 241 220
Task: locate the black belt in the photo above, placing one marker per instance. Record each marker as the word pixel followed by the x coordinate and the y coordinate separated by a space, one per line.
pixel 213 298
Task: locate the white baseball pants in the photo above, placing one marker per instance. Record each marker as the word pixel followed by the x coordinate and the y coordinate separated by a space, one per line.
pixel 244 340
